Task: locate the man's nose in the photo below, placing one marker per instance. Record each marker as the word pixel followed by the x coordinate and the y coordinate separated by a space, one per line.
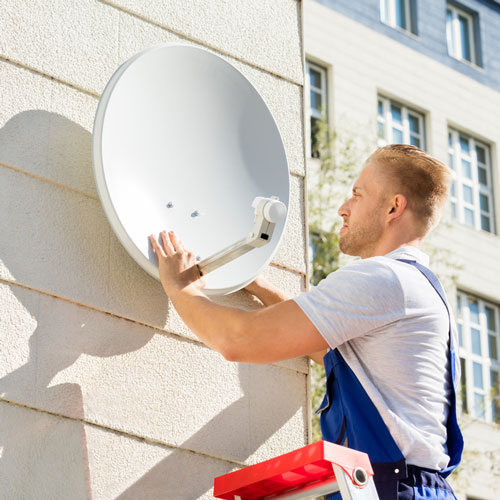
pixel 344 210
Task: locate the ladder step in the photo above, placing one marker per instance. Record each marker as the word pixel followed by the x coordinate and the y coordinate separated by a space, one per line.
pixel 308 471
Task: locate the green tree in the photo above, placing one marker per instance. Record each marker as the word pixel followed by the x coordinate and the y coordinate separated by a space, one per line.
pixel 339 154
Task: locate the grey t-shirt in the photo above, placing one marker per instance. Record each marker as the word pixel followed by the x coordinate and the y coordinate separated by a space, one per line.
pixel 391 327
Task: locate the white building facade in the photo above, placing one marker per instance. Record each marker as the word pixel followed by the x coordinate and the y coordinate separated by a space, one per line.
pixel 428 73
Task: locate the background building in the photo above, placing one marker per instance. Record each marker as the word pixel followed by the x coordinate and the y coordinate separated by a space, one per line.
pixel 104 393
pixel 427 72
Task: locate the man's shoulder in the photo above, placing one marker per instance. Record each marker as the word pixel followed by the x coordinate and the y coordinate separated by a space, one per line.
pixel 388 267
pixel 379 275
pixel 367 279
pixel 380 267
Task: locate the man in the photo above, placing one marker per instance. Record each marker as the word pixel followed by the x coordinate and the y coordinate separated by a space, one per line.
pixel 385 319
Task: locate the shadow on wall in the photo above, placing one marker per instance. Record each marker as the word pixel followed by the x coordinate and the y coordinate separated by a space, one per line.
pixel 53 451
pixel 33 234
pixel 264 408
pixel 71 249
pixel 50 145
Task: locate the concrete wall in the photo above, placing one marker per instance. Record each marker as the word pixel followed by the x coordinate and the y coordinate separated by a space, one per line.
pixel 104 393
pixel 362 62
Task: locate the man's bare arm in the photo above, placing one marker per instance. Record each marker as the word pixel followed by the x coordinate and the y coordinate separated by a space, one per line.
pixel 317 357
pixel 274 333
pixel 280 331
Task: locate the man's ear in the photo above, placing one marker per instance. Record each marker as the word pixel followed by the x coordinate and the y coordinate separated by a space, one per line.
pixel 397 206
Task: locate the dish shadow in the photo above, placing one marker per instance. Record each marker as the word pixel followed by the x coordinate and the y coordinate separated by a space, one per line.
pixel 49 145
pixel 52 146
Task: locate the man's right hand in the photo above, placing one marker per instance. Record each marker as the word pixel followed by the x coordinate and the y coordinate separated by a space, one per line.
pixel 266 292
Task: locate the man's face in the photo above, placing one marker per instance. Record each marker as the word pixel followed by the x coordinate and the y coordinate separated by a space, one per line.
pixel 363 214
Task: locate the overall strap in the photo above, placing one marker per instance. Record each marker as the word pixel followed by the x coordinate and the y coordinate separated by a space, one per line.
pixel 436 284
pixel 348 416
pixel 455 442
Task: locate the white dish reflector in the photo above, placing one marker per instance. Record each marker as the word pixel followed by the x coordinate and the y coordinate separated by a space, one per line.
pixel 182 141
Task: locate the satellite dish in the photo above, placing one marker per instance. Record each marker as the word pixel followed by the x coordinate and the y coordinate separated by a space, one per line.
pixel 183 141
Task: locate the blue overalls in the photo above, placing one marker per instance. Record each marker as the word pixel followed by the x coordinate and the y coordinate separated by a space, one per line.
pixel 348 413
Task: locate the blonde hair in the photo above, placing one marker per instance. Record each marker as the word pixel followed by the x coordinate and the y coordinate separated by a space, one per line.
pixel 420 178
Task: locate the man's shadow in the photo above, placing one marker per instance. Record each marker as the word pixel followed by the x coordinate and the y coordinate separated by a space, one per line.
pixel 57 447
pixel 50 145
pixel 243 427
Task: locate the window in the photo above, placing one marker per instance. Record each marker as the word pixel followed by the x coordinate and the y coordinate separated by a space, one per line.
pixel 460 34
pixel 398 14
pixel 471 190
pixel 317 103
pixel 478 330
pixel 398 124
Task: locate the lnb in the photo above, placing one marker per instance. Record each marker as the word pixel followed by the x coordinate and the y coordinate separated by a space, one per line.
pixel 272 209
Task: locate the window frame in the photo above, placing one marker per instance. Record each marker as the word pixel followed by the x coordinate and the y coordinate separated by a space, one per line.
pixel 387 122
pixel 455 50
pixel 313 112
pixel 388 15
pixel 455 157
pixel 488 364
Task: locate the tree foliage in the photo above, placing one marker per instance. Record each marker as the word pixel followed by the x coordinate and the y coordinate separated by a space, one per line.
pixel 339 160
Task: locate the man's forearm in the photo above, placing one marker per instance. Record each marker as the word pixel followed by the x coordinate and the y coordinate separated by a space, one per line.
pixel 220 327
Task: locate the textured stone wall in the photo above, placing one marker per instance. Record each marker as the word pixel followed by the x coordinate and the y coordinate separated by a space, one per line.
pixel 104 393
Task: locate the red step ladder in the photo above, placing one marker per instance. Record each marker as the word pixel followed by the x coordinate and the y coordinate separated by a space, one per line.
pixel 314 470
